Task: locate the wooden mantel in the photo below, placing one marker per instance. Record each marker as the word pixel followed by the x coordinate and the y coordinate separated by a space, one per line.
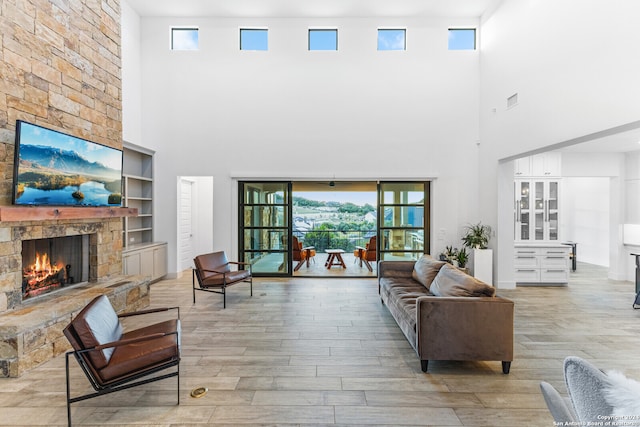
pixel 42 213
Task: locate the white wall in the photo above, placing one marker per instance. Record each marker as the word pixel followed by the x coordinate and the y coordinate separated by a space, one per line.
pixel 585 217
pixel 569 63
pixel 418 113
pixel 291 113
pixel 131 75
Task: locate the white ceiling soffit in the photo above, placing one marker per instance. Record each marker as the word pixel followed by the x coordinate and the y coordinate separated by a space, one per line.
pixel 622 142
pixel 313 8
pixel 336 185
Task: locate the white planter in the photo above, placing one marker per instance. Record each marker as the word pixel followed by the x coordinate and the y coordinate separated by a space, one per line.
pixel 482 265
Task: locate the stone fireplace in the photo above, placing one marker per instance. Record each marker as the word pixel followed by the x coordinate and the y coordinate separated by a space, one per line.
pixel 84 257
pixel 54 264
pixel 58 77
pixel 103 253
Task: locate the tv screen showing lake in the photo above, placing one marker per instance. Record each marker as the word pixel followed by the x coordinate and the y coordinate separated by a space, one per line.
pixel 90 193
pixel 54 168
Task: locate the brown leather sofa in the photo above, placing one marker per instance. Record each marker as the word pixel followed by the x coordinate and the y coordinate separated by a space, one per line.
pixel 446 314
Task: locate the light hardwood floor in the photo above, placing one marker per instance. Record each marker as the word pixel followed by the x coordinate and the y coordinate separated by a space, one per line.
pixel 327 352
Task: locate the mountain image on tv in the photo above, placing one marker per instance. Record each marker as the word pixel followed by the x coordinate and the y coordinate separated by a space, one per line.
pixel 58 169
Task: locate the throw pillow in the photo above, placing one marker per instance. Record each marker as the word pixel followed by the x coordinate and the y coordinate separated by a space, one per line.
pixel 451 282
pixel 425 269
pixel 623 395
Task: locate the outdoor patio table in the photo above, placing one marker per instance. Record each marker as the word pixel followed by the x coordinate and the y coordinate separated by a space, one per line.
pixel 334 258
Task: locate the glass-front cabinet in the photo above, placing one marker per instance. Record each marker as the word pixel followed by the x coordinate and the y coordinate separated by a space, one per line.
pixel 537 210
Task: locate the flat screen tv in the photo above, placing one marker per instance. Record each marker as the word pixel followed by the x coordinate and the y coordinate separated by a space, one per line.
pixel 52 168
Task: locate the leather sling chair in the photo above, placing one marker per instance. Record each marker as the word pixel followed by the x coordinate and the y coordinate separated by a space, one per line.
pixel 113 359
pixel 213 273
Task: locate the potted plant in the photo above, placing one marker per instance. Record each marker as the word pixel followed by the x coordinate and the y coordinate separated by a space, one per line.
pixel 476 237
pixel 462 257
pixel 449 254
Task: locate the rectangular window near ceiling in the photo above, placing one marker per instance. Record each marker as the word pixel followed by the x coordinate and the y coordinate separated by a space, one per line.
pixel 254 39
pixel 323 39
pixel 392 39
pixel 184 38
pixel 462 39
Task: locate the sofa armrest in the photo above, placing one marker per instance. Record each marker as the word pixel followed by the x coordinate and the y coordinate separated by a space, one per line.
pixel 464 328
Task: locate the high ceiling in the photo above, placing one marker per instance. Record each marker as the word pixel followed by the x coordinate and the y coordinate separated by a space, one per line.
pixel 313 8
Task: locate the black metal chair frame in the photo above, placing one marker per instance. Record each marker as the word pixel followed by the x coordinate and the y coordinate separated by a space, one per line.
pixel 128 382
pixel 195 274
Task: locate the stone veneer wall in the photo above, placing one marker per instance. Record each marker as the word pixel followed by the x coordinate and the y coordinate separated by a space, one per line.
pixel 60 66
pixel 60 63
pixel 30 336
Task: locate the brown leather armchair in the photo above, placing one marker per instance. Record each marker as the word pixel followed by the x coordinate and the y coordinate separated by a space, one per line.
pixel 114 360
pixel 367 254
pixel 301 254
pixel 213 273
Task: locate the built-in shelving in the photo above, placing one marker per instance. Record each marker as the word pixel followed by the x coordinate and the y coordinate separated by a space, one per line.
pixel 137 178
pixel 141 255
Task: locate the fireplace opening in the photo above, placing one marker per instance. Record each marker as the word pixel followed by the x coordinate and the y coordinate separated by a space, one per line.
pixel 54 263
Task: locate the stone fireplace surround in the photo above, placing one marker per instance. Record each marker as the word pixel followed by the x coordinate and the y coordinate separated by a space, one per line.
pixel 31 331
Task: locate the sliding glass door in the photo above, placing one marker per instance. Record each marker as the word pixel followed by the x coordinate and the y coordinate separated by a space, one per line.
pixel 403 220
pixel 264 226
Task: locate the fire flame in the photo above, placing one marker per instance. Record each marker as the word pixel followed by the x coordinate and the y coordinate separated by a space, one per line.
pixel 41 269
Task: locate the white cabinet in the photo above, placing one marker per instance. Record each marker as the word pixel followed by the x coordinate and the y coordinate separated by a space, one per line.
pixel 522 167
pixel 537 210
pixel 149 260
pixel 542 264
pixel 545 165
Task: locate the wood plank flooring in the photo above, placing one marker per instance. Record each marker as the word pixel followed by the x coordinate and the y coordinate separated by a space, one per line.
pixel 318 352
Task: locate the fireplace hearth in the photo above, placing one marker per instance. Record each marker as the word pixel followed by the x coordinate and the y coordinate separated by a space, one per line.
pixel 53 263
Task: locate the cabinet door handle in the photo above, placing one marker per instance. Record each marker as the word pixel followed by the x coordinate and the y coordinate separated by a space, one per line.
pixel 556 271
pixel 546 210
pixel 525 257
pixel 525 270
pixel 555 257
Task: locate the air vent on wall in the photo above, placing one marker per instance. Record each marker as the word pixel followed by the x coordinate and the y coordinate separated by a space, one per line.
pixel 512 101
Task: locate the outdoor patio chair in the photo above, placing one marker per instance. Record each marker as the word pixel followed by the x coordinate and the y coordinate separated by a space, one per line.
pixel 214 273
pixel 114 360
pixel 367 254
pixel 301 254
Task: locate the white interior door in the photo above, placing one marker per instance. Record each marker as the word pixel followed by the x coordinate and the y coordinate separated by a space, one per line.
pixel 185 240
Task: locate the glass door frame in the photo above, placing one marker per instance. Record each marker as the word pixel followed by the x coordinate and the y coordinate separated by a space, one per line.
pixel 287 229
pixel 286 265
pixel 403 229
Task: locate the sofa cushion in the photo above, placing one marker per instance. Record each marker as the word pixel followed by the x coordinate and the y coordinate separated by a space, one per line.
pixel 426 269
pixel 140 355
pixel 451 282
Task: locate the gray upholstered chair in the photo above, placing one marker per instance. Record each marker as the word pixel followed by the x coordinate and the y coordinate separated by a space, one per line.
pixel 586 387
pixel 557 405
